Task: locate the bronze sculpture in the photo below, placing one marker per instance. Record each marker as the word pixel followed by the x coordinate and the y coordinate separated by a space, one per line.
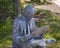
pixel 24 35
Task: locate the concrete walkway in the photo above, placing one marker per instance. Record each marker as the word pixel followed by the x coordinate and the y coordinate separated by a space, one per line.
pixel 53 8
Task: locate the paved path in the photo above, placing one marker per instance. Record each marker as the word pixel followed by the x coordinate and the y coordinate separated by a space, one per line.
pixel 53 8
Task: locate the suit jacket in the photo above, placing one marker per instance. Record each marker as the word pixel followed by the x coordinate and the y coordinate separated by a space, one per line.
pixel 19 29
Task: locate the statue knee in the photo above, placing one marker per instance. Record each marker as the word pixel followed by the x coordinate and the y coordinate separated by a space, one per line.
pixel 50 41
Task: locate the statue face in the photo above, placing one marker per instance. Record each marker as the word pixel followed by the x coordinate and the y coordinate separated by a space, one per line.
pixel 29 12
pixel 29 15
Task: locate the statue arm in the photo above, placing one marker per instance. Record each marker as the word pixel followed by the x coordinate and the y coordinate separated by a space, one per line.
pixel 15 35
pixel 38 31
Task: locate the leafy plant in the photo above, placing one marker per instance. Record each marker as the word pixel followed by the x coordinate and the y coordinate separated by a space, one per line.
pixel 51 19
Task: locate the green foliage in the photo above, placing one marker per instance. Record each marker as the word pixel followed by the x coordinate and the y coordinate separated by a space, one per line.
pixel 6 31
pixel 7 8
pixel 48 36
pixel 48 18
pixel 7 14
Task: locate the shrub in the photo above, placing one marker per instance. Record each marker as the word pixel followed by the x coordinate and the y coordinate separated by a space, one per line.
pixel 51 19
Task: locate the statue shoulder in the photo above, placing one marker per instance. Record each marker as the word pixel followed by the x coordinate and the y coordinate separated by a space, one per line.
pixel 19 20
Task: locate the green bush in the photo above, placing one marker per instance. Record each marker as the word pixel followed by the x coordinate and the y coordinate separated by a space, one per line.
pixel 6 32
pixel 7 8
pixel 51 19
pixel 7 14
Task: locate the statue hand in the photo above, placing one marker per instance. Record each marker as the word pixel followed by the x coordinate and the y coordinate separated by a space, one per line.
pixel 28 37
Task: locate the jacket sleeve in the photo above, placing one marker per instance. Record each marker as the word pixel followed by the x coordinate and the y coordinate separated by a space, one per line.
pixel 16 35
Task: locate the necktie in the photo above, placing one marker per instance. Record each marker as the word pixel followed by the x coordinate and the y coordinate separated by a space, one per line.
pixel 27 29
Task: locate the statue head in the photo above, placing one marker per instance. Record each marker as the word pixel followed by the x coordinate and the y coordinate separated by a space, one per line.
pixel 29 11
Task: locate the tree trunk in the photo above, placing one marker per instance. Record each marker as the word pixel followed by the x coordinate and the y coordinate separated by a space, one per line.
pixel 18 5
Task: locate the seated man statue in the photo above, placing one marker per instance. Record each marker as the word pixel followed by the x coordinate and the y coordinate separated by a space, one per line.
pixel 23 28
